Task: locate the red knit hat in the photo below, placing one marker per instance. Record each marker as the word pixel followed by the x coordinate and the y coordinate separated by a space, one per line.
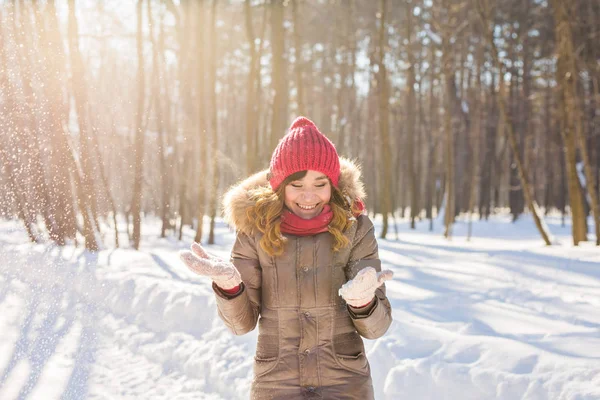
pixel 303 148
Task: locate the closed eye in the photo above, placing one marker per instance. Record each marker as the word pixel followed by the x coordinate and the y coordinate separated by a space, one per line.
pixel 321 185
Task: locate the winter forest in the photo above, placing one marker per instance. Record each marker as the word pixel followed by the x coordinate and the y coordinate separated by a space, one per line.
pixel 477 127
pixel 119 109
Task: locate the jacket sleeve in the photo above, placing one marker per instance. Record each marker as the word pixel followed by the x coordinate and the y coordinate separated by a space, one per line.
pixel 374 320
pixel 240 311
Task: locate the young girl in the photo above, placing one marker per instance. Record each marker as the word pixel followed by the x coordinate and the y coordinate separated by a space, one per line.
pixel 305 267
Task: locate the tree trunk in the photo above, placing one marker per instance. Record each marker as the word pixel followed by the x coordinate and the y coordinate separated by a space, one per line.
pixel 165 181
pixel 432 127
pixel 186 112
pixel 279 84
pixel 299 58
pixel 548 148
pixel 81 110
pixel 567 77
pixel 448 96
pixel 139 133
pixel 183 192
pixel 386 165
pixel 411 130
pixel 514 108
pixel 214 200
pixel 252 106
pixel 476 105
pixel 201 100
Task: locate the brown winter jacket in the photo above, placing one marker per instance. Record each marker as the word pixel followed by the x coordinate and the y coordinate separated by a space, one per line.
pixel 309 341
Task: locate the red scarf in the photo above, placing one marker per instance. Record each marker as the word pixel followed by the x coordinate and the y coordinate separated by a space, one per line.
pixel 294 225
pixel 361 207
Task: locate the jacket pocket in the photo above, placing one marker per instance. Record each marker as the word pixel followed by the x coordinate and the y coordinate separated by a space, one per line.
pixel 355 363
pixel 267 354
pixel 263 366
pixel 350 354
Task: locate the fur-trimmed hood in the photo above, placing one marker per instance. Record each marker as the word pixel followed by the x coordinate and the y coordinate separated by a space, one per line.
pixel 237 199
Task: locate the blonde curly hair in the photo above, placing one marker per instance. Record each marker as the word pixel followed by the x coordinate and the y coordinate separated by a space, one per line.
pixel 265 215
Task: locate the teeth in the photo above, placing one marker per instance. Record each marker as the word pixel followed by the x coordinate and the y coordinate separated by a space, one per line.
pixel 307 207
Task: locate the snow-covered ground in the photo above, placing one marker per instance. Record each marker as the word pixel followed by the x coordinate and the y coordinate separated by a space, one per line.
pixel 499 317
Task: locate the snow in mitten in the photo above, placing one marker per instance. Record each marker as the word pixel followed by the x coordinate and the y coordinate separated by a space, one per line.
pixel 360 291
pixel 223 273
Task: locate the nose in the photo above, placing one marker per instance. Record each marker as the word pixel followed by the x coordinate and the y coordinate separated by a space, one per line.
pixel 308 195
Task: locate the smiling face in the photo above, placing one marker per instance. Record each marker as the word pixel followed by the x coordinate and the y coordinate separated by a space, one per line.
pixel 306 196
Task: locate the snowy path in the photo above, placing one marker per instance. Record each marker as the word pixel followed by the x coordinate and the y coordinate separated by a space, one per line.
pixel 501 317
